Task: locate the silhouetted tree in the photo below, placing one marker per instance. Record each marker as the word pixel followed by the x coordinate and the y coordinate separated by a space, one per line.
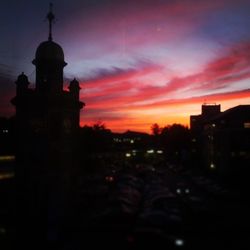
pixel 96 138
pixel 99 126
pixel 156 131
pixel 155 128
pixel 94 141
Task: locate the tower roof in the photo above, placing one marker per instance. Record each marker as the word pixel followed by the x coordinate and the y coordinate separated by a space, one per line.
pixel 49 51
pixel 74 84
pixel 22 79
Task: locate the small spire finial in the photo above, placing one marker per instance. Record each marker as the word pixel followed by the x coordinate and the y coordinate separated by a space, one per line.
pixel 50 17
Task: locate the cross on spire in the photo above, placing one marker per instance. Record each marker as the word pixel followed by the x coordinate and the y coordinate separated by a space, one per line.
pixel 50 17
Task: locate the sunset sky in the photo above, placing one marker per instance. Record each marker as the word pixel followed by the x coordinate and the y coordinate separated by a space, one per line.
pixel 139 62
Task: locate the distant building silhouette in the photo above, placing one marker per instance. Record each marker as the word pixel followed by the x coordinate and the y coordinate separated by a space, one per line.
pixel 223 139
pixel 207 111
pixel 47 125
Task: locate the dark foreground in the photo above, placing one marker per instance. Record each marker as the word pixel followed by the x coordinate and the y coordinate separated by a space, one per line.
pixel 146 206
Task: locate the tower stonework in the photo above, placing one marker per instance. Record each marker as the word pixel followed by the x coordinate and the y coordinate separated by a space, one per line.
pixel 47 127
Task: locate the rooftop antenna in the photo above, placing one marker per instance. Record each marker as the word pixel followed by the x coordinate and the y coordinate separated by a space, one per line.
pixel 50 17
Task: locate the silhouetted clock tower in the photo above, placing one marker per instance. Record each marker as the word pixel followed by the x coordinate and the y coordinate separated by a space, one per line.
pixel 47 126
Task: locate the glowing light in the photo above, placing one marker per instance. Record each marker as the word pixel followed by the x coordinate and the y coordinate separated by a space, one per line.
pixel 128 155
pixel 159 152
pixel 109 178
pixel 212 165
pixel 151 151
pixel 132 141
pixel 7 158
pixel 4 176
pixel 179 242
pixel 178 191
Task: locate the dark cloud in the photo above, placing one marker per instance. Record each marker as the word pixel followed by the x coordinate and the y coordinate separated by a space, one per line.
pixel 104 72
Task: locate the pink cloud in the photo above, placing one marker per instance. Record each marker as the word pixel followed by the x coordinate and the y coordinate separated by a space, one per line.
pixel 115 75
pixel 121 92
pixel 213 98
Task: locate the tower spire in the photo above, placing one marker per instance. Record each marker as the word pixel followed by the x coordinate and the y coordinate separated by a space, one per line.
pixel 50 17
